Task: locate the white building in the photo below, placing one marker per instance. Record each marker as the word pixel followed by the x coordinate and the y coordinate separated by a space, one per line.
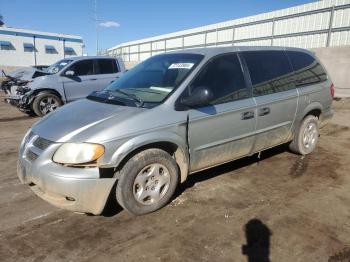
pixel 319 24
pixel 22 47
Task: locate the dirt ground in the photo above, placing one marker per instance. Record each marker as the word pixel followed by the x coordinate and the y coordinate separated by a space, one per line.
pixel 284 207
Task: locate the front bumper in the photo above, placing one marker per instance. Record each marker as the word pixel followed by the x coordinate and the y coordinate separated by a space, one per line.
pixel 19 97
pixel 12 99
pixel 22 102
pixel 75 189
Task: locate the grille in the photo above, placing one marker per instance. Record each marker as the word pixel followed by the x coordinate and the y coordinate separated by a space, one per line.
pixel 42 143
pixel 31 156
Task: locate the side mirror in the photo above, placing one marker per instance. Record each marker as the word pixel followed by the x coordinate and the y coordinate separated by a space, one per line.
pixel 69 73
pixel 200 97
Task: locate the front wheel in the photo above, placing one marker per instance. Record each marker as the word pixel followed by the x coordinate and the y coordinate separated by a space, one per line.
pixel 45 103
pixel 147 182
pixel 306 138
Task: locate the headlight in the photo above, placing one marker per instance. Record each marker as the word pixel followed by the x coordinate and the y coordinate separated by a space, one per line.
pixel 78 153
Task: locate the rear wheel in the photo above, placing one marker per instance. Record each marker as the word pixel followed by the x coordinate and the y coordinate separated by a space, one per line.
pixel 147 182
pixel 306 138
pixel 45 103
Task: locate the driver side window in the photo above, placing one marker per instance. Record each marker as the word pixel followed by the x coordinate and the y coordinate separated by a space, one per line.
pixel 224 77
pixel 82 68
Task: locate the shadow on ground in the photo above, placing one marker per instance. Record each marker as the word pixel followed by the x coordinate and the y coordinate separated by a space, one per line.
pixel 257 248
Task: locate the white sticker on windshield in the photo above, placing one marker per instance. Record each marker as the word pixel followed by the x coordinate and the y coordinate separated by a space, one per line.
pixel 164 89
pixel 181 66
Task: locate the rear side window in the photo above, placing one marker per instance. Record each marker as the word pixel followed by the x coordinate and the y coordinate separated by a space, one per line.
pixel 224 76
pixel 270 72
pixel 106 66
pixel 307 69
pixel 83 68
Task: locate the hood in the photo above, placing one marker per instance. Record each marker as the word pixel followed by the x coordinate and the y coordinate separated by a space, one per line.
pixel 27 73
pixel 73 121
pixel 46 81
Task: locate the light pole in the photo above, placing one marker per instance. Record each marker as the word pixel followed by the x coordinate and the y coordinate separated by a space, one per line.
pixel 96 26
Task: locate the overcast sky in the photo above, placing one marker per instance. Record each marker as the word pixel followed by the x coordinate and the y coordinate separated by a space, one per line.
pixel 121 21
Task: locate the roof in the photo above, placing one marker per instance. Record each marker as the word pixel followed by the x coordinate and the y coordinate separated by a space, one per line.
pixel 30 33
pixel 211 51
pixel 74 58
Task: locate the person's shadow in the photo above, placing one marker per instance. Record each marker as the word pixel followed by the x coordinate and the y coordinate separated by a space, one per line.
pixel 257 235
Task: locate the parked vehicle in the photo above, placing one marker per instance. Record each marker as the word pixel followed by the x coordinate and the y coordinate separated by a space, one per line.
pixel 16 79
pixel 41 92
pixel 170 116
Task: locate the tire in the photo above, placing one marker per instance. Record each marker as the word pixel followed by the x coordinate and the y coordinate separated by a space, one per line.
pixel 45 102
pixel 306 138
pixel 137 192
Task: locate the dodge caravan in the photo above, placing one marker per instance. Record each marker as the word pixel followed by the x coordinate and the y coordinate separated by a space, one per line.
pixel 172 115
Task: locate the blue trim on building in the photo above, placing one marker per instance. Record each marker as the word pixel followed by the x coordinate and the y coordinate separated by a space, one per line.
pixel 5 43
pixel 15 33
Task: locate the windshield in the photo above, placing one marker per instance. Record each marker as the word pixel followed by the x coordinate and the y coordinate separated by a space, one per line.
pixel 56 67
pixel 153 80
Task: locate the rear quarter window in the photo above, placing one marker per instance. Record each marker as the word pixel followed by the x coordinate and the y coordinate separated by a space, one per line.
pixel 307 69
pixel 106 66
pixel 270 71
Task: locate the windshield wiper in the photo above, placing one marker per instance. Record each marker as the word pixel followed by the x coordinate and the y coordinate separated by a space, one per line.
pixel 135 98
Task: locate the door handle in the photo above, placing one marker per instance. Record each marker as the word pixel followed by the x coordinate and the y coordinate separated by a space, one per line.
pixel 247 115
pixel 93 79
pixel 264 111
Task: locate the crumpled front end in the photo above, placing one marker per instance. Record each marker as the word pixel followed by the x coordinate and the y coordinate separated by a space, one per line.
pixel 17 94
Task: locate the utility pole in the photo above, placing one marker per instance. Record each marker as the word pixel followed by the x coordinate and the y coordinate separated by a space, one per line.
pixel 96 25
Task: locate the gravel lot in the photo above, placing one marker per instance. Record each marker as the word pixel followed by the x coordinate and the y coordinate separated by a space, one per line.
pixel 285 207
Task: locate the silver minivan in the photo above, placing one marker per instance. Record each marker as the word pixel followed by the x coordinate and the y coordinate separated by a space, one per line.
pixel 41 92
pixel 172 115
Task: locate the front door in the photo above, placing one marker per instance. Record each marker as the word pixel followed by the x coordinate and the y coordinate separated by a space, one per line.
pixel 83 82
pixel 224 129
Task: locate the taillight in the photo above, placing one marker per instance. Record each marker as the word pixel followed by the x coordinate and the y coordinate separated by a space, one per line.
pixel 332 90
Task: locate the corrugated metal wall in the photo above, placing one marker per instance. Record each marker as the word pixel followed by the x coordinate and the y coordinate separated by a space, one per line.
pixel 319 24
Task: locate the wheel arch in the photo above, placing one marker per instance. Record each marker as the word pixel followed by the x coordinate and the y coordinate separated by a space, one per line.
pixel 169 142
pixel 49 90
pixel 314 109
